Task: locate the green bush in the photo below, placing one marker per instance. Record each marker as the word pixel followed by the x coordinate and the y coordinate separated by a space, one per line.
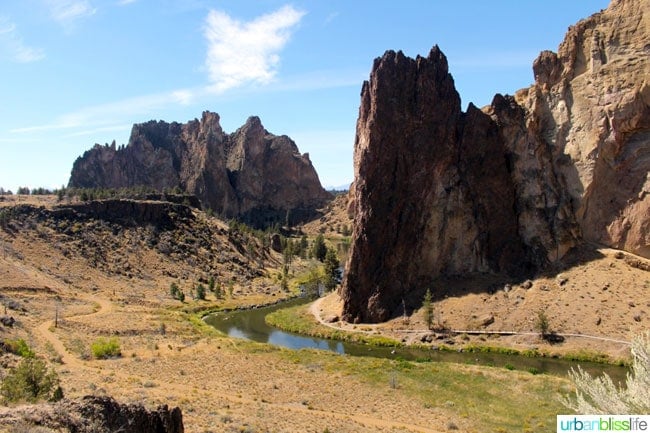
pixel 542 324
pixel 19 347
pixel 103 349
pixel 31 381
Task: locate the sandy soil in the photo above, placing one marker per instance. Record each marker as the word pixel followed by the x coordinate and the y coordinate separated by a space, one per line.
pixel 598 303
pixel 221 384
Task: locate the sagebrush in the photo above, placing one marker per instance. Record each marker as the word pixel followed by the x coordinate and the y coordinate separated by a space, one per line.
pixel 599 395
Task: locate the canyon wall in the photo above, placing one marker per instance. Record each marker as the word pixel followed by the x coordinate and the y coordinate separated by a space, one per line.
pixel 507 189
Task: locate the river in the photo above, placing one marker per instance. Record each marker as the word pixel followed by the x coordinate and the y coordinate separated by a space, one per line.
pixel 250 324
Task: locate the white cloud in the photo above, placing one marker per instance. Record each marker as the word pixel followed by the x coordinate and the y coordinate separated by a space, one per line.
pixel 331 17
pixel 66 12
pixel 125 2
pixel 12 45
pixel 242 52
pixel 107 115
pixel 183 96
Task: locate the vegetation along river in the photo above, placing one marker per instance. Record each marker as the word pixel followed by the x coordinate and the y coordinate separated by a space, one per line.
pixel 249 324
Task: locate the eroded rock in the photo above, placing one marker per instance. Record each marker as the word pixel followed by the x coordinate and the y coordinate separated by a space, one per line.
pixel 508 189
pixel 250 174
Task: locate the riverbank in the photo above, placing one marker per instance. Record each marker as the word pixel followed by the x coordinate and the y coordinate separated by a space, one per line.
pixel 320 319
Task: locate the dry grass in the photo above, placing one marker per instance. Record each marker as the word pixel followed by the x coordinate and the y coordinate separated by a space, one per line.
pixel 232 385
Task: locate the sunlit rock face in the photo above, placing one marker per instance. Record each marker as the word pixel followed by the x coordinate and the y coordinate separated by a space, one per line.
pixel 509 188
pixel 249 174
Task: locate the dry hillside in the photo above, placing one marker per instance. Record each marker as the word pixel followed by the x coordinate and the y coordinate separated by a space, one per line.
pixel 107 274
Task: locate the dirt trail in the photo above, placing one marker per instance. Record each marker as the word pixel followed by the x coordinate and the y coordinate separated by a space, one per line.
pixel 106 306
pixel 317 308
pixel 44 329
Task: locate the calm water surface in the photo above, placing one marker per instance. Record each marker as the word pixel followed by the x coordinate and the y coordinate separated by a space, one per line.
pixel 250 325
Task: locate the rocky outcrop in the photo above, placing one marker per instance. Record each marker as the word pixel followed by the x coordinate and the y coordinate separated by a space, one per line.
pixel 93 414
pixel 125 212
pixel 506 189
pixel 590 105
pixel 250 174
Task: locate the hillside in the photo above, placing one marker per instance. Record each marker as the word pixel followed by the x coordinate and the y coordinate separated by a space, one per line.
pixel 101 274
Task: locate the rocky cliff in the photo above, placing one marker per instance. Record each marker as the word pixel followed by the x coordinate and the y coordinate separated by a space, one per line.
pixel 509 188
pixel 250 174
pixel 92 414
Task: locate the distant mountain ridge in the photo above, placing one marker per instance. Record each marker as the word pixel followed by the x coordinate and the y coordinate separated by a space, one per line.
pixel 250 174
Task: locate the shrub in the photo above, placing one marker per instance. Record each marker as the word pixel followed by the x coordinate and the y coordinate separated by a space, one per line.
pixel 31 381
pixel 176 293
pixel 103 349
pixel 19 347
pixel 599 395
pixel 427 307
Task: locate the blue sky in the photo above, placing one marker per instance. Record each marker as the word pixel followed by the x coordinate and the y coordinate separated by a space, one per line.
pixel 79 72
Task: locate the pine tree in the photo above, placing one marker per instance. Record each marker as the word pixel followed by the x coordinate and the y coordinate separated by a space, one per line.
pixel 332 272
pixel 319 249
pixel 200 292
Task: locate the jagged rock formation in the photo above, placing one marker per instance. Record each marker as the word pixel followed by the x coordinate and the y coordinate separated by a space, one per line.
pixel 507 189
pixel 250 174
pixel 92 414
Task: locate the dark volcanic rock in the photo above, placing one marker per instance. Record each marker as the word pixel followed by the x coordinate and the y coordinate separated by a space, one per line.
pixel 433 193
pixel 250 174
pixel 93 414
pixel 507 189
pixel 122 211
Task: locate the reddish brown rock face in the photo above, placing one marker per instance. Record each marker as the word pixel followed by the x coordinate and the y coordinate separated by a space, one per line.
pixel 433 191
pixel 507 189
pixel 250 174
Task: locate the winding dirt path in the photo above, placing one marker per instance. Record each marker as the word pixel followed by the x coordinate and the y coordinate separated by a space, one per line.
pixel 45 330
pixel 105 306
pixel 315 310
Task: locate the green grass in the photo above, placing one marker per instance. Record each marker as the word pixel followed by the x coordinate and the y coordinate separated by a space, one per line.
pixel 492 399
pixel 298 319
pixel 589 356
